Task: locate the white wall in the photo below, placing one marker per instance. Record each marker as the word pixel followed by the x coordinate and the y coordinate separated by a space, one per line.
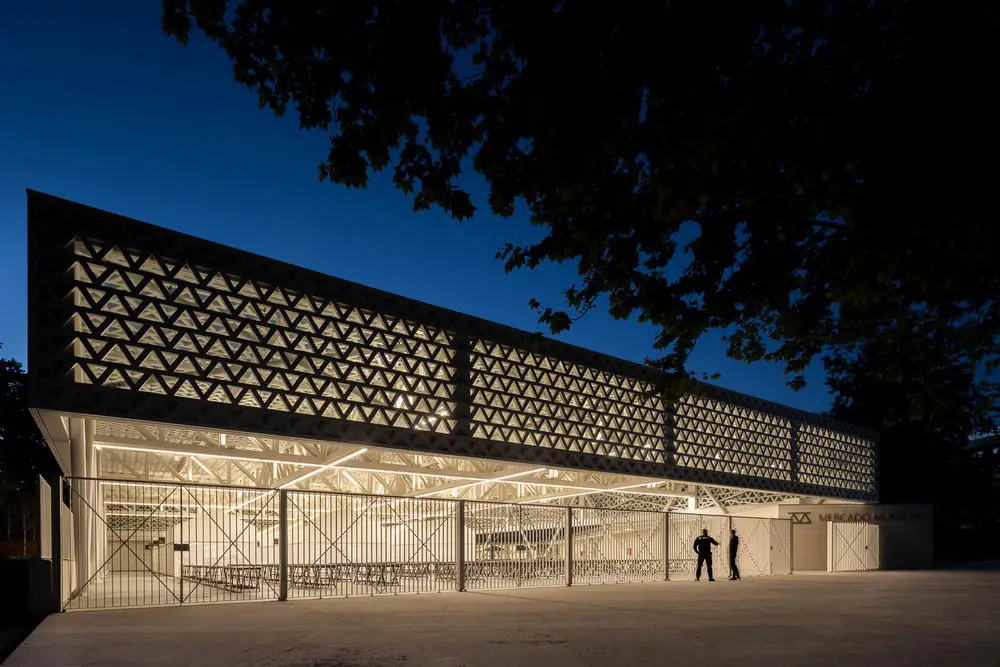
pixel 768 511
pixel 133 556
pixel 906 533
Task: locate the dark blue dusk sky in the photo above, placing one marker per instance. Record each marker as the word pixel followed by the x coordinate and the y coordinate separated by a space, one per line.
pixel 101 108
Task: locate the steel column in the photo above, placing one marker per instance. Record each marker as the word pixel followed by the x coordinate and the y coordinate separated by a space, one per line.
pixel 282 544
pixel 180 531
pixel 460 548
pixel 569 546
pixel 666 546
pixel 78 502
pixel 791 548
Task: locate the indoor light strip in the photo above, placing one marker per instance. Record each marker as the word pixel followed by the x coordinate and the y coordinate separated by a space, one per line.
pixel 390 471
pixel 614 490
pixel 485 481
pixel 203 466
pixel 566 495
pixel 207 455
pixel 431 472
pixel 152 516
pixel 334 464
pixel 351 479
pixel 174 485
pixel 230 457
pixel 583 490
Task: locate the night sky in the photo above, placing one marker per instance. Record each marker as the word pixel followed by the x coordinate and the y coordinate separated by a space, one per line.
pixel 100 107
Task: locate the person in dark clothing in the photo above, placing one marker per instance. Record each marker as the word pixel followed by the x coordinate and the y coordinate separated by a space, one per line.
pixel 734 546
pixel 703 547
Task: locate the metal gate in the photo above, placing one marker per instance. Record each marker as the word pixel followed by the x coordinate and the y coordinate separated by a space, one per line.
pixel 515 546
pixel 618 546
pixel 852 547
pixel 754 555
pixel 780 547
pixel 345 545
pixel 684 528
pixel 170 544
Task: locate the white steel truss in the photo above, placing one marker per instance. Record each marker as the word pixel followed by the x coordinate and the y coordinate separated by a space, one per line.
pixel 155 453
pixel 171 454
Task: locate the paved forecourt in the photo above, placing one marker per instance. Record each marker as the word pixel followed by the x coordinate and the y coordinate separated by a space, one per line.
pixel 904 618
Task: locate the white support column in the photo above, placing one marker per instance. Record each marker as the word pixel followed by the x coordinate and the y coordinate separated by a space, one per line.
pixel 460 547
pixel 569 546
pixel 693 504
pixel 97 531
pixel 81 514
pixel 666 546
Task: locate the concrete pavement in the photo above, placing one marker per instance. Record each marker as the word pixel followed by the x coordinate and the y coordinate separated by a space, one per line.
pixel 898 618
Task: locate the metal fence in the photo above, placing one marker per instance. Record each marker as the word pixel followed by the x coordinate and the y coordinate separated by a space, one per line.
pixel 341 545
pixel 140 544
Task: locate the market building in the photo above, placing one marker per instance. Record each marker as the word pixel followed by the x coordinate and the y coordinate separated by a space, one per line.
pixel 231 427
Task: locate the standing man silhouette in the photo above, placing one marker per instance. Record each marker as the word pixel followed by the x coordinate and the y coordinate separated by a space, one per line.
pixel 703 547
pixel 734 546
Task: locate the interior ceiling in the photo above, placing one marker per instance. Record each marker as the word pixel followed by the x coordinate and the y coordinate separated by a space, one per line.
pixel 136 451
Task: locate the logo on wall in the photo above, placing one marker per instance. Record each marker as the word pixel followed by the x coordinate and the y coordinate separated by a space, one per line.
pixel 857 517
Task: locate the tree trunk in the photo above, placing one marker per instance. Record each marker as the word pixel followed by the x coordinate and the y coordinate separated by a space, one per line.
pixel 24 534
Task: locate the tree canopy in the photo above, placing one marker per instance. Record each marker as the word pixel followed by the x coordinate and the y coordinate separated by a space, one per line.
pixel 832 163
pixel 23 452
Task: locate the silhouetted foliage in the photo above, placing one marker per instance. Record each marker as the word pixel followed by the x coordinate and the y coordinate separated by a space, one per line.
pixel 23 455
pixel 822 155
pixel 926 410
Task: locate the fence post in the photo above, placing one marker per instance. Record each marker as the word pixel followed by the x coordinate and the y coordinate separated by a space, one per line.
pixel 460 548
pixel 55 526
pixel 282 544
pixel 180 530
pixel 569 546
pixel 791 548
pixel 666 546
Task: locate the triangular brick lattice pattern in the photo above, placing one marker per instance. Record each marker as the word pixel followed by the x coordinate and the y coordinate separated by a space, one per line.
pixel 836 460
pixel 718 436
pixel 730 438
pixel 350 367
pixel 150 324
pixel 526 398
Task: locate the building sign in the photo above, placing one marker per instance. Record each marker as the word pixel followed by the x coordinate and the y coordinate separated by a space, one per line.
pixel 869 517
pixel 881 516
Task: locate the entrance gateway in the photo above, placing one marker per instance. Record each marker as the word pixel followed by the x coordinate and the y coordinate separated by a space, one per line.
pixel 231 427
